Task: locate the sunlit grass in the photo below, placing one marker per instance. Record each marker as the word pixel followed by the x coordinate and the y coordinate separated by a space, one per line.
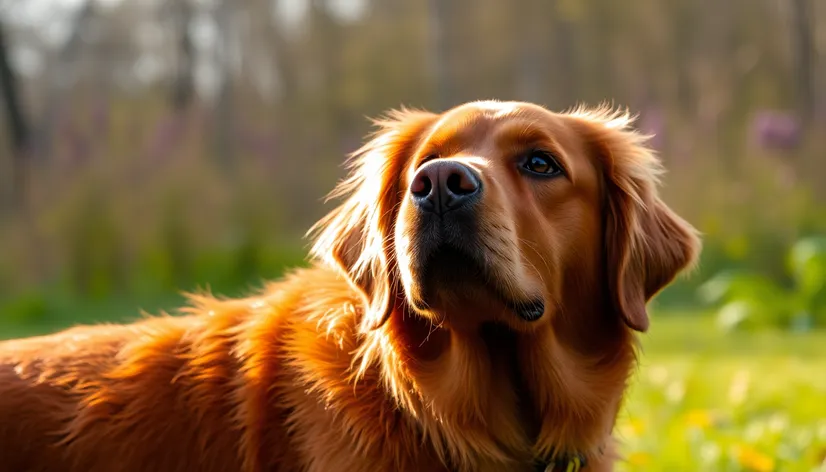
pixel 704 401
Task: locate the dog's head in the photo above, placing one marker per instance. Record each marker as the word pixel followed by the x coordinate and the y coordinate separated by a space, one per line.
pixel 507 212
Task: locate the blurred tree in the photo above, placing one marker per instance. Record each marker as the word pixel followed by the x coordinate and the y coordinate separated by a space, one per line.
pixel 438 47
pixel 16 121
pixel 183 89
pixel 225 57
pixel 531 71
pixel 265 97
pixel 561 74
pixel 803 44
pixel 60 82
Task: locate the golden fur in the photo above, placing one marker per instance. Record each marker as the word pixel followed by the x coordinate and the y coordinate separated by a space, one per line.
pixel 353 364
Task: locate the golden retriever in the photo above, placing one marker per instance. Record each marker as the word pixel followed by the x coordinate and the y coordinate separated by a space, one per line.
pixel 471 306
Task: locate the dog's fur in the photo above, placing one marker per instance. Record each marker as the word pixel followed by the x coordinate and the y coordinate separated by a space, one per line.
pixel 369 361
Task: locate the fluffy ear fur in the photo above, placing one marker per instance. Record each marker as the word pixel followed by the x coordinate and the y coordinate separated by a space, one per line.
pixel 357 236
pixel 647 244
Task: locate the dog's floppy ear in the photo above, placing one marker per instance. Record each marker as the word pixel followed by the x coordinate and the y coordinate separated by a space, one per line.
pixel 357 236
pixel 646 244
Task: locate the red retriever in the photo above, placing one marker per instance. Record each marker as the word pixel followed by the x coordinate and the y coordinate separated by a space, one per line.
pixel 472 306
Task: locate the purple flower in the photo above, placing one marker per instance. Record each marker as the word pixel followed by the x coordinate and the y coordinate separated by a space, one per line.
pixel 776 130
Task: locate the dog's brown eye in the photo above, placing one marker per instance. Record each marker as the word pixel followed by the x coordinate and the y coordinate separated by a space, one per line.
pixel 541 163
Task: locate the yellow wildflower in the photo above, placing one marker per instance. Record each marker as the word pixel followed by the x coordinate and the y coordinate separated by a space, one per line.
pixel 754 460
pixel 633 427
pixel 701 419
pixel 740 386
pixel 639 459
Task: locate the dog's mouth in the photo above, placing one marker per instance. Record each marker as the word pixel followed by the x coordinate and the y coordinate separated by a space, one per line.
pixel 463 273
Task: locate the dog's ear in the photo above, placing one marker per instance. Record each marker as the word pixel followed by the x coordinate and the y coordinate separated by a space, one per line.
pixel 357 236
pixel 646 244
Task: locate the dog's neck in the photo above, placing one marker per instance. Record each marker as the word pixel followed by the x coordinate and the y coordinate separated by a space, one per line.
pixel 513 396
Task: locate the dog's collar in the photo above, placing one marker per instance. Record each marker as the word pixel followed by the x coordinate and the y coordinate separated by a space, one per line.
pixel 573 463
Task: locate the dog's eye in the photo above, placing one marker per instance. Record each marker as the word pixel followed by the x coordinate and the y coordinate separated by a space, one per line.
pixel 541 163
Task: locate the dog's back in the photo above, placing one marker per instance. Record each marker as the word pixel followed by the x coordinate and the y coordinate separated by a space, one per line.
pixel 96 389
pixel 206 391
pixel 154 395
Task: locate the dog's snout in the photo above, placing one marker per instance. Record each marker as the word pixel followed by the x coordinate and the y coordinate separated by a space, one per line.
pixel 441 186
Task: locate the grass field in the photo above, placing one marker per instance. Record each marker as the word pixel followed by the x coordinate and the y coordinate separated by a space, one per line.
pixel 705 401
pixel 701 400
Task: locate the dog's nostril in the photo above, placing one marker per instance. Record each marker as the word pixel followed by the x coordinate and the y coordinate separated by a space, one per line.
pixel 421 186
pixel 460 184
pixel 441 186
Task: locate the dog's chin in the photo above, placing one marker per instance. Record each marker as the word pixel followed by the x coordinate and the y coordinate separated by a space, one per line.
pixel 455 280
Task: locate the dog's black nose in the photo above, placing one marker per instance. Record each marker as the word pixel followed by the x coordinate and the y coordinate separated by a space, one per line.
pixel 440 186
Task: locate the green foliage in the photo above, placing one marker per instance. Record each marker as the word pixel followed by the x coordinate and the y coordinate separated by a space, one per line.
pixel 25 309
pixel 749 300
pixel 93 263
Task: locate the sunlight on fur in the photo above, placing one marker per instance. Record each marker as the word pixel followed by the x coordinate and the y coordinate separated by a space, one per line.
pixel 472 304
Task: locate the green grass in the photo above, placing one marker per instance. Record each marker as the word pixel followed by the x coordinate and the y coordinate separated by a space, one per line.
pixel 706 401
pixel 38 315
pixel 701 400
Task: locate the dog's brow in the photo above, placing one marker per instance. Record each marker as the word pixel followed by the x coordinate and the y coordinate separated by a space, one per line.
pixel 452 133
pixel 525 132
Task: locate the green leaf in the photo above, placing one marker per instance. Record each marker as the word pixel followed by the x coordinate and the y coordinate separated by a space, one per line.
pixel 733 285
pixel 733 315
pixel 807 260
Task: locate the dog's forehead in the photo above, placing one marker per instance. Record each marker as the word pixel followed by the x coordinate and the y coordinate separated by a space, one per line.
pixel 478 121
pixel 494 110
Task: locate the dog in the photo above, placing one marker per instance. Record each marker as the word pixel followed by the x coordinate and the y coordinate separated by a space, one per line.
pixel 472 304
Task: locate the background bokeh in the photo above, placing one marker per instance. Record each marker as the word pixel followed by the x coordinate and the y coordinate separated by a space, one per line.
pixel 149 147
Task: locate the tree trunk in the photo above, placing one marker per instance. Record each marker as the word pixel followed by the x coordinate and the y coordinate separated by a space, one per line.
pixel 183 88
pixel 223 110
pixel 17 123
pixel 531 68
pixel 566 84
pixel 20 140
pixel 57 87
pixel 803 43
pixel 437 54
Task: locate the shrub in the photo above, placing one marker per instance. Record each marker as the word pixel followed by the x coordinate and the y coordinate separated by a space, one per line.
pixel 749 300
